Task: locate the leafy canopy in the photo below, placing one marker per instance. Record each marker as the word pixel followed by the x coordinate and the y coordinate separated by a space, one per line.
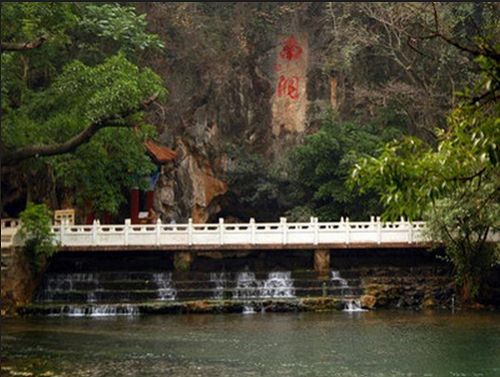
pixel 320 167
pixel 455 186
pixel 72 88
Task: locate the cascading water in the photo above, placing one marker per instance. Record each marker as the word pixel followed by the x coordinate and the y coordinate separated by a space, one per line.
pixel 247 286
pixel 277 285
pixel 104 293
pixel 219 279
pixel 110 310
pixel 341 282
pixel 166 290
pixel 109 293
pixel 56 286
pixel 351 304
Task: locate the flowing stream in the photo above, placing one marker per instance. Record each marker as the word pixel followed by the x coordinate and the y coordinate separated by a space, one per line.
pixel 340 344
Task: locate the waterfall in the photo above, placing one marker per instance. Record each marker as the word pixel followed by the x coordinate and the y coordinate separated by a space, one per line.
pixel 341 282
pixel 166 290
pixel 247 286
pixel 118 292
pixel 248 309
pixel 351 304
pixel 56 286
pixel 109 310
pixel 277 285
pixel 219 280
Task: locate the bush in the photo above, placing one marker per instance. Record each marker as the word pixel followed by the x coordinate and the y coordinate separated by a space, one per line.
pixel 36 233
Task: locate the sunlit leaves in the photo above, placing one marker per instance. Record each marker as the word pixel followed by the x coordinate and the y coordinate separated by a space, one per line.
pixel 119 23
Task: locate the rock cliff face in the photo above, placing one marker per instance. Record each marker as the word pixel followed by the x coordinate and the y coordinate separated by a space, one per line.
pixel 19 282
pixel 265 105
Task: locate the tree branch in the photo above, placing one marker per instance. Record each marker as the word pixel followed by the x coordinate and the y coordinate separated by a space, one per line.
pixel 23 153
pixel 23 46
pixel 480 50
pixel 29 151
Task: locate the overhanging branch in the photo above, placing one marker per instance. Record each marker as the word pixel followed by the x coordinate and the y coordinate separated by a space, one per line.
pixel 16 156
pixel 22 46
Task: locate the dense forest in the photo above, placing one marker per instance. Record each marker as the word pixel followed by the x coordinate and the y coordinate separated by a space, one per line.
pixel 274 109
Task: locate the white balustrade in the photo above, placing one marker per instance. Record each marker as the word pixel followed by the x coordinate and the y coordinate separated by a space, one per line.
pixel 311 233
pixel 9 230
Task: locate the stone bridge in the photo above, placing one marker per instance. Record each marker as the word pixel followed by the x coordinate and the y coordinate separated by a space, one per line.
pixel 221 236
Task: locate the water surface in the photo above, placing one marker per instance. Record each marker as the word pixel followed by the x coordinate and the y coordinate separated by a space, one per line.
pixel 375 344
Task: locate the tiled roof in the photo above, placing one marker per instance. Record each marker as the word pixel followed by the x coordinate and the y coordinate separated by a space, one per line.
pixel 160 153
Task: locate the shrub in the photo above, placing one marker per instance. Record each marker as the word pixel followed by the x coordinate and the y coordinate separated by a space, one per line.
pixel 36 233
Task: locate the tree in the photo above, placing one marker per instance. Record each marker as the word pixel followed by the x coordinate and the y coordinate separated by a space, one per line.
pixel 455 186
pixel 320 168
pixel 69 71
pixel 389 55
pixel 37 235
pixel 257 190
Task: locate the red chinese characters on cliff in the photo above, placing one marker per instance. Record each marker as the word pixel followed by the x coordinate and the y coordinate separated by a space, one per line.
pixel 289 86
pixel 291 49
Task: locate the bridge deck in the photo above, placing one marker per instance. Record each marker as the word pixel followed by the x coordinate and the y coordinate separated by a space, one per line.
pixel 247 247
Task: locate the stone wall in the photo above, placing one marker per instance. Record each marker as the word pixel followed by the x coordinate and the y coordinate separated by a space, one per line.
pixel 408 288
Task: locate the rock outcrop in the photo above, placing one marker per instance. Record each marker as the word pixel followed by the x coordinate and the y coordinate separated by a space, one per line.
pixel 19 282
pixel 262 98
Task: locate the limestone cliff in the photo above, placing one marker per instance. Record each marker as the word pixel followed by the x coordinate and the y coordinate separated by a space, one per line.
pixel 264 103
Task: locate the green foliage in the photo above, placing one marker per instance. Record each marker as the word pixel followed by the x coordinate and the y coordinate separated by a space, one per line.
pixel 319 169
pixel 456 186
pixel 259 189
pixel 397 175
pixel 101 172
pixel 28 21
pixel 120 24
pixel 463 220
pixel 86 73
pixel 80 96
pixel 36 233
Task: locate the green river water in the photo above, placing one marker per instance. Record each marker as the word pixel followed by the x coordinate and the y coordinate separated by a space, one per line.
pixel 364 344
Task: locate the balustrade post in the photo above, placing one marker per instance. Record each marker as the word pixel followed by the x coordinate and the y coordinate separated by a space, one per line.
pixel 314 220
pixel 63 232
pixel 128 223
pixel 347 231
pixel 403 225
pixel 158 232
pixel 221 231
pixel 95 227
pixel 284 230
pixel 252 230
pixel 410 232
pixel 190 232
pixel 379 231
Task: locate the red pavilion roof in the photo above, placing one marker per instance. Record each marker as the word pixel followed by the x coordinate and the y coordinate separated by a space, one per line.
pixel 160 153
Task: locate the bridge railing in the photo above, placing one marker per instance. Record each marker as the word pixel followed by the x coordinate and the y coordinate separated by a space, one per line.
pixel 9 230
pixel 252 233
